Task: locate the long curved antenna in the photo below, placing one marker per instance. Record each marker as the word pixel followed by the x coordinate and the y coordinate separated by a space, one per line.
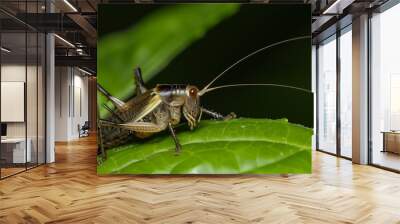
pixel 261 84
pixel 249 55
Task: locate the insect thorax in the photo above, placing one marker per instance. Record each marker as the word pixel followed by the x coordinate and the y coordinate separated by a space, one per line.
pixel 175 113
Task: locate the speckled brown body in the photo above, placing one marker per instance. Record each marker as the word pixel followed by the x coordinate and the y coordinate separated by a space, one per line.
pixel 162 115
pixel 149 111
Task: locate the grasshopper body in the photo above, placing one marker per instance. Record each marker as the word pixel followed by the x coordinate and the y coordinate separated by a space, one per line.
pixel 152 111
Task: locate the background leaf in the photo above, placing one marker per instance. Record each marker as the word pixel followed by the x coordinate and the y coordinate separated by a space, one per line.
pixel 152 43
pixel 254 146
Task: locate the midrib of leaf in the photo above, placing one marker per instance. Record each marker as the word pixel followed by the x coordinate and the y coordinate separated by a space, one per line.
pixel 283 159
pixel 172 148
pixel 148 158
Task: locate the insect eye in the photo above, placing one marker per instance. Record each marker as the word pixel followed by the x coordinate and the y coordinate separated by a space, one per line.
pixel 192 91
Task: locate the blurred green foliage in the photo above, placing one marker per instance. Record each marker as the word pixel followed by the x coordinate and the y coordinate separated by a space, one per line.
pixel 152 43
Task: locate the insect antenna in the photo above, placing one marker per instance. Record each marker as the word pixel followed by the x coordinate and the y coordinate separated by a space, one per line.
pixel 204 90
pixel 252 84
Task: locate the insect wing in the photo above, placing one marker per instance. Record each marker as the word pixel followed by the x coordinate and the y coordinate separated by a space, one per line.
pixel 144 104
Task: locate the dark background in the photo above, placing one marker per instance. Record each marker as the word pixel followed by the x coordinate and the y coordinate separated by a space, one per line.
pixel 253 27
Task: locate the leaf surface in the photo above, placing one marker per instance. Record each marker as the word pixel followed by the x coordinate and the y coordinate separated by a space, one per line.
pixel 252 146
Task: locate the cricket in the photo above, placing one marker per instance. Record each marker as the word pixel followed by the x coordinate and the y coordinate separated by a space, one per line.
pixel 160 108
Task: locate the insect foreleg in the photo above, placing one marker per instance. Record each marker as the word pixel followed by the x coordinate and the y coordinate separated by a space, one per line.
pixel 217 115
pixel 213 114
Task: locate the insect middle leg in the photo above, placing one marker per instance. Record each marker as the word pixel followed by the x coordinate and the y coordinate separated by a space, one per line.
pixel 217 115
pixel 177 144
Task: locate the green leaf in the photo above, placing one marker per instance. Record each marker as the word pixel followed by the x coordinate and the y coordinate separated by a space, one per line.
pixel 253 146
pixel 152 43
